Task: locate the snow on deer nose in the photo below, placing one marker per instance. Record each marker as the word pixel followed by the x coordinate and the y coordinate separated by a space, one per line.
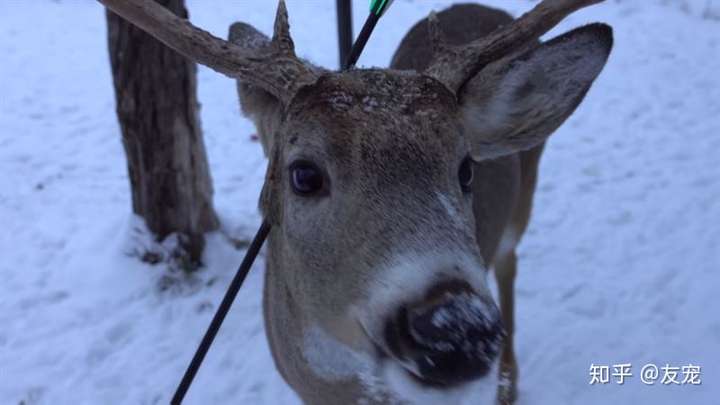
pixel 450 337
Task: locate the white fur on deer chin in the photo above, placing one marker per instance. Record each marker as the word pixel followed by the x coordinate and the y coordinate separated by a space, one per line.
pixel 331 359
pixel 385 380
pixel 408 391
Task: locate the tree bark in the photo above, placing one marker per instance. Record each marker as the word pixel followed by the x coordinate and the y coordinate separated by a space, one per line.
pixel 157 107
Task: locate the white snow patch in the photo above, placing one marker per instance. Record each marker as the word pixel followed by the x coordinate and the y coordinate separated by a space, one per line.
pixel 467 309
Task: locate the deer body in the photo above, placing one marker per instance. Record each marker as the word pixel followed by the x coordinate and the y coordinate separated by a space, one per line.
pixel 391 192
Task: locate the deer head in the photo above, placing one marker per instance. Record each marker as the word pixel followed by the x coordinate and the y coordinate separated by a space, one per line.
pixel 374 276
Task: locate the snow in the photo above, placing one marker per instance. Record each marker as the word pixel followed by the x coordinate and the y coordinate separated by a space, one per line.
pixel 620 263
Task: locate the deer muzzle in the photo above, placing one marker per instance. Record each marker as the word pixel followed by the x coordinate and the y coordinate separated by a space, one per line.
pixel 451 337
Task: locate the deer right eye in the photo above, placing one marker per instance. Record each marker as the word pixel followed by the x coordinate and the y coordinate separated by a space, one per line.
pixel 305 178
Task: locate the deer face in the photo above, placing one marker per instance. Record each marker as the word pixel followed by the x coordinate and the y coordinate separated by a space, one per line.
pixel 374 243
pixel 370 189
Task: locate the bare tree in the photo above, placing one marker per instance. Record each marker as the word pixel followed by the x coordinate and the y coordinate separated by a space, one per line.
pixel 157 107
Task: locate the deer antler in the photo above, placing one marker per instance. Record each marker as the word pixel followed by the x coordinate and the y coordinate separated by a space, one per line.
pixel 279 71
pixel 455 65
pixel 438 42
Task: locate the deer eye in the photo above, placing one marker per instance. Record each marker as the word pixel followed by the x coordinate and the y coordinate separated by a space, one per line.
pixel 465 174
pixel 305 178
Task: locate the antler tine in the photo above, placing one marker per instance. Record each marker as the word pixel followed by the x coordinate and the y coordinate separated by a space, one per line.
pixel 274 72
pixel 436 34
pixel 281 31
pixel 456 65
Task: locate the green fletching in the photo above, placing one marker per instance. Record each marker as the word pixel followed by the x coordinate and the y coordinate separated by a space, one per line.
pixel 379 7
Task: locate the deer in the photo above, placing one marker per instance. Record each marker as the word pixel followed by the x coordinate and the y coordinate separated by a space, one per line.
pixel 393 192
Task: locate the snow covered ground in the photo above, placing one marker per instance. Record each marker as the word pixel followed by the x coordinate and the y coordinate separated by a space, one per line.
pixel 620 265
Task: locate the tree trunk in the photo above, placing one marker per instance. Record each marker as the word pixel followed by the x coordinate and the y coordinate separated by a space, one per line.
pixel 156 101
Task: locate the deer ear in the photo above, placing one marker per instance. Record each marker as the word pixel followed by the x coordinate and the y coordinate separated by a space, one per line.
pixel 257 104
pixel 517 102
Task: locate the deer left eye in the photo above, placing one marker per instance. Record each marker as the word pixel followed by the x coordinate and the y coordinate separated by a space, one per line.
pixel 465 174
pixel 306 178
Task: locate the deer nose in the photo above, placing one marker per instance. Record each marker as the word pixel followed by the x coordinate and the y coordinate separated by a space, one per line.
pixel 452 337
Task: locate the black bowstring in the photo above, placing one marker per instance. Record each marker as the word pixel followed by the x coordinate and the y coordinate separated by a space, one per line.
pixel 222 310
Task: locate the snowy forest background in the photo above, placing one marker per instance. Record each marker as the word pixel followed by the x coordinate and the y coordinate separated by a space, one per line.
pixel 620 263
